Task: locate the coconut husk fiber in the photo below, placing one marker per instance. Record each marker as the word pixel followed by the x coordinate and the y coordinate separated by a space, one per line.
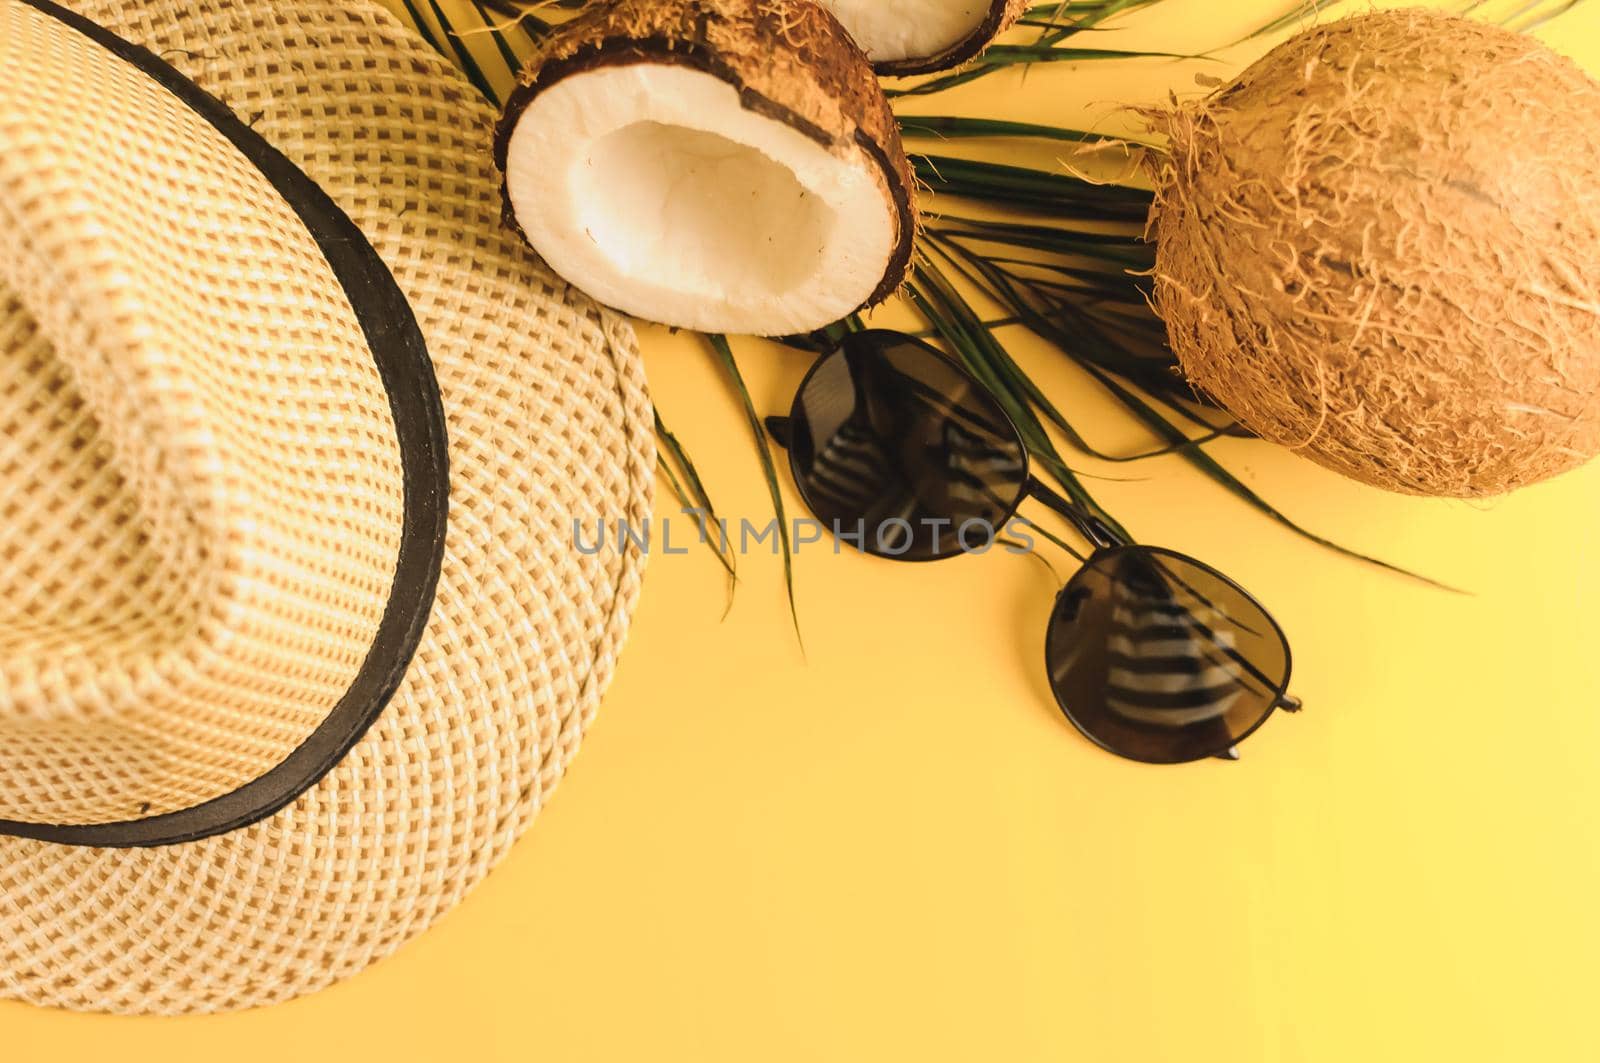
pixel 1381 246
pixel 790 60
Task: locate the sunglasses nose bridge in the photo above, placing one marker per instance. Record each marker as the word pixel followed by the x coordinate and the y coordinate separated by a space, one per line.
pixel 1099 534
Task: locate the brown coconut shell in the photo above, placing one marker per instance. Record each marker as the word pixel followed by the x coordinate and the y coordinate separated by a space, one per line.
pixel 1002 15
pixel 790 60
pixel 1381 246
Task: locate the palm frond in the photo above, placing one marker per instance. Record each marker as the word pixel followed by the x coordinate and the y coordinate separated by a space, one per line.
pixel 976 347
pixel 724 354
pixel 1065 259
pixel 955 127
pixel 459 52
pixel 684 479
pixel 1043 192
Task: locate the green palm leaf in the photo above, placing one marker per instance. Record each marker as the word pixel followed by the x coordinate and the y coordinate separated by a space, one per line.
pixel 724 353
pixel 1067 262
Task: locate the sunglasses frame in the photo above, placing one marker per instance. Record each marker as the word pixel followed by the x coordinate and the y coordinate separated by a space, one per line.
pixel 1103 540
pixel 1224 751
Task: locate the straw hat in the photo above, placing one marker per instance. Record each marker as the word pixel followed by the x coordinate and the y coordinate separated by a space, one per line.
pixel 295 637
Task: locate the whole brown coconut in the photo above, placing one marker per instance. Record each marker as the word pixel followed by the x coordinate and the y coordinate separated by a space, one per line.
pixel 1381 246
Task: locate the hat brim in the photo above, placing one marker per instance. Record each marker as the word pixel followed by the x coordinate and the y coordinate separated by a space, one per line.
pixel 548 423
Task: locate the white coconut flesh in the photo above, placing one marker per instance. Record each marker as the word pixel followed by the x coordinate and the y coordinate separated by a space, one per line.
pixel 650 188
pixel 895 31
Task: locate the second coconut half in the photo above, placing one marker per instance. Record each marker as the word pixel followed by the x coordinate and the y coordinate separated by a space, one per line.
pixel 718 165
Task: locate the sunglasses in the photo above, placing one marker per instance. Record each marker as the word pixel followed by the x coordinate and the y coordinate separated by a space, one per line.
pixel 1152 655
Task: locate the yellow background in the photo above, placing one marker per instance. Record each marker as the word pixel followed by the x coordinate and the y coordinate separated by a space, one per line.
pixel 893 846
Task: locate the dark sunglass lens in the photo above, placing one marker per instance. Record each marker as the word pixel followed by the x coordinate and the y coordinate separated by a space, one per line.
pixel 1160 659
pixel 901 452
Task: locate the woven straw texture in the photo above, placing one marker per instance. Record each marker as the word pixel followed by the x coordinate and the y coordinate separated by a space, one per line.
pixel 548 423
pixel 199 466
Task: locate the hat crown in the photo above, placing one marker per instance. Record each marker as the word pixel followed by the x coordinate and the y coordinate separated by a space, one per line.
pixel 198 458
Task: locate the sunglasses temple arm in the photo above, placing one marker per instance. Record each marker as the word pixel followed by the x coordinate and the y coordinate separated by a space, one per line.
pixel 1286 702
pixel 1089 526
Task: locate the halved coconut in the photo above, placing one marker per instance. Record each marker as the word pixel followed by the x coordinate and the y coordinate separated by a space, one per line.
pixel 719 165
pixel 921 36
